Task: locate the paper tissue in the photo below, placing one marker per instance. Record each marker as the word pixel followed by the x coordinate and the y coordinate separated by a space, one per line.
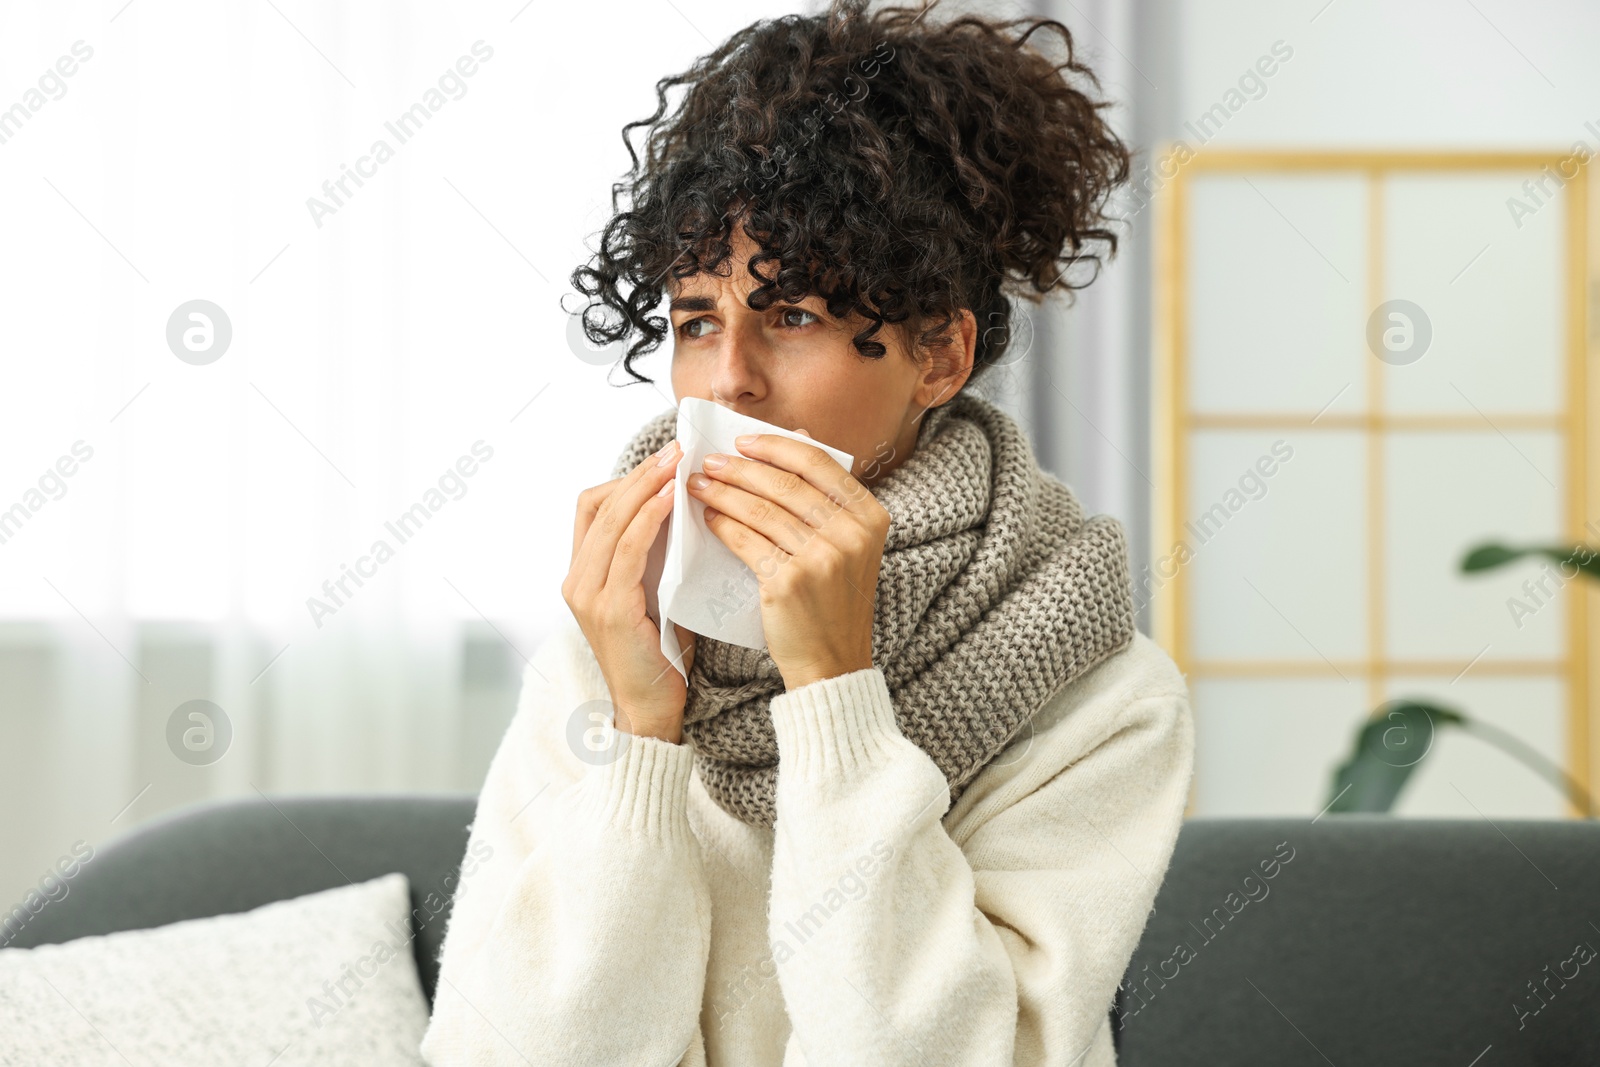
pixel 692 578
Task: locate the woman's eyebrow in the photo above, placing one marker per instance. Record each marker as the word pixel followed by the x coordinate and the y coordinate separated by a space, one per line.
pixel 693 303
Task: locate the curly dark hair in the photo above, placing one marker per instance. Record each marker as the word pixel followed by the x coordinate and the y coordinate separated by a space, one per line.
pixel 898 168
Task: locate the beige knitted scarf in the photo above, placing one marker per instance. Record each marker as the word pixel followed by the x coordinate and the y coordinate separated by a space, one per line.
pixel 994 593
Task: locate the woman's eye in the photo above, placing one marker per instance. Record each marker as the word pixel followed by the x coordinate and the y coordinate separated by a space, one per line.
pixel 787 321
pixel 688 329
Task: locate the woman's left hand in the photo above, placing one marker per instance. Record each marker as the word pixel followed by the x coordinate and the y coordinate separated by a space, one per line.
pixel 814 537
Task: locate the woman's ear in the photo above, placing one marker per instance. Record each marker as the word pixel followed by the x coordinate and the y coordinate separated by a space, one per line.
pixel 949 365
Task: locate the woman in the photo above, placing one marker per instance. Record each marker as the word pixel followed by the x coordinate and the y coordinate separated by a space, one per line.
pixel 927 823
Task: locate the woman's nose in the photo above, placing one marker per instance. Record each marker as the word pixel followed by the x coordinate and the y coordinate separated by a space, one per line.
pixel 736 377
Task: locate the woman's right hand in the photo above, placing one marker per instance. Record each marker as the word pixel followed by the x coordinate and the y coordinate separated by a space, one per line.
pixel 617 523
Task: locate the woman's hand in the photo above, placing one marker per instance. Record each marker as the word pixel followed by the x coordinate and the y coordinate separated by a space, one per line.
pixel 814 537
pixel 616 525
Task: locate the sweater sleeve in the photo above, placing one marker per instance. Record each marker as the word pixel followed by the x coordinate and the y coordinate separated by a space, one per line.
pixel 897 945
pixel 583 934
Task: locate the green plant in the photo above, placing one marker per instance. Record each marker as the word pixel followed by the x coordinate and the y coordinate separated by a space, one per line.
pixel 1489 556
pixel 1400 734
pixel 1391 744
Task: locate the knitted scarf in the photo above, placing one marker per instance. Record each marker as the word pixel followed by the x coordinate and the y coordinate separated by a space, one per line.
pixel 993 593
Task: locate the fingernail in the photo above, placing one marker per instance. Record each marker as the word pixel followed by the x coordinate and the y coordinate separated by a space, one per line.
pixel 665 489
pixel 715 461
pixel 745 439
pixel 666 454
pixel 698 481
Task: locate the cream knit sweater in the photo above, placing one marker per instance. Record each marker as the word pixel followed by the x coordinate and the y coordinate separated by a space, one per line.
pixel 621 917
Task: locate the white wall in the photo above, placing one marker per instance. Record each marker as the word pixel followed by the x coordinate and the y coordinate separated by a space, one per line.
pixel 1377 73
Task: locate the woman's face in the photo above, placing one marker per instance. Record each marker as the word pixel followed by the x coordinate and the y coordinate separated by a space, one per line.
pixel 793 365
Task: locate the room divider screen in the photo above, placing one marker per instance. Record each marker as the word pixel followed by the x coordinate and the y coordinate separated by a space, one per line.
pixel 1367 364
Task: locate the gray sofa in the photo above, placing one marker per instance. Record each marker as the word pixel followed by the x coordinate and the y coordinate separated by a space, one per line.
pixel 1351 940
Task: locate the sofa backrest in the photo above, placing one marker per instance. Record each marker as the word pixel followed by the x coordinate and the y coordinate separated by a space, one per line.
pixel 213 859
pixel 1368 939
pixel 1347 940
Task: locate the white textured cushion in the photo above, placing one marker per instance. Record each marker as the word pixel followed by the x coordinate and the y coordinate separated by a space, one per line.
pixel 254 988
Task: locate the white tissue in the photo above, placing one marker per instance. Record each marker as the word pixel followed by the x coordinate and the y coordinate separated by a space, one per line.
pixel 692 578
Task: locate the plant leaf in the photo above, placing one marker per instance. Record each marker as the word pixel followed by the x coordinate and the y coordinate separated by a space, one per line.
pixel 1488 556
pixel 1388 748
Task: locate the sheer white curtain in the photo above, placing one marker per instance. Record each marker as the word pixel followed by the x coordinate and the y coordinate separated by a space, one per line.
pixel 396 349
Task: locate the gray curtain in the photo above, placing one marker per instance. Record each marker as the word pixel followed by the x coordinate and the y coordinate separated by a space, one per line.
pixel 1087 379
